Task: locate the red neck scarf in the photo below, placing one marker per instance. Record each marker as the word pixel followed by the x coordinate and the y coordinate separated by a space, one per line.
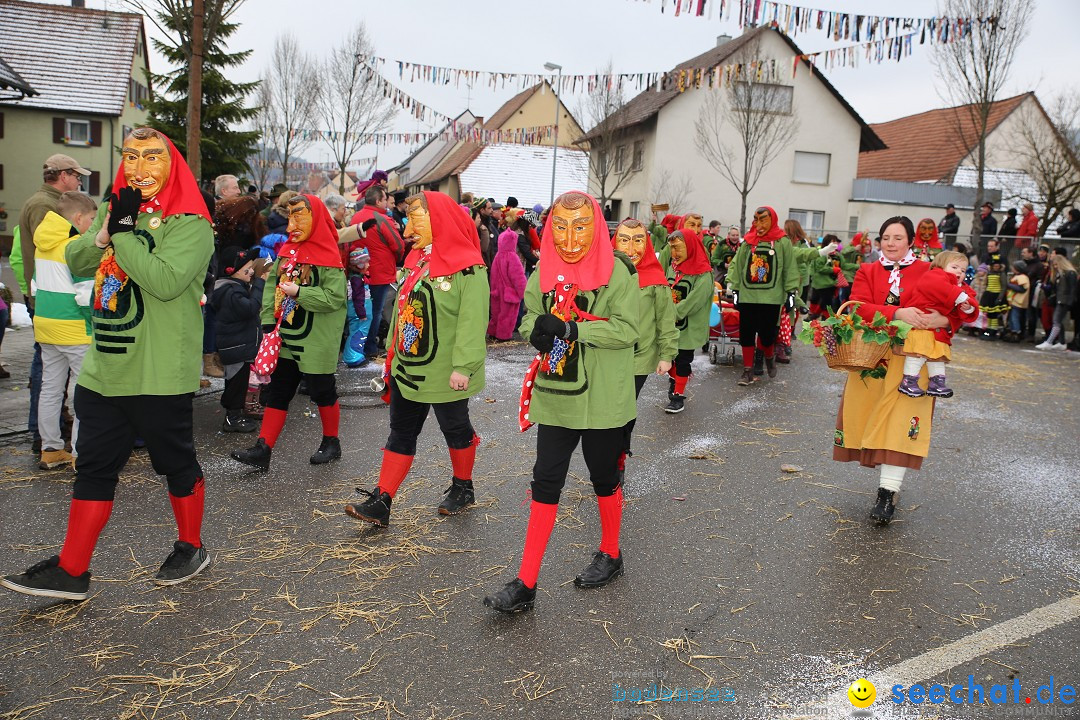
pixel 935 241
pixel 648 268
pixel 775 233
pixel 696 261
pixel 455 244
pixel 589 273
pixel 179 196
pixel 321 247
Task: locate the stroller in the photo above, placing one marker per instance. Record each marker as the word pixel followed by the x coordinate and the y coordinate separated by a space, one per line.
pixel 723 330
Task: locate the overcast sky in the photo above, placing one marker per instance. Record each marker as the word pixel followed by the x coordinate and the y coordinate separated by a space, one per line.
pixel 582 35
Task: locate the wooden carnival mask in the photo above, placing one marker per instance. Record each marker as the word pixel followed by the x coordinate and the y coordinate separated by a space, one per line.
pixel 572 226
pixel 677 243
pixel 300 220
pixel 630 239
pixel 694 222
pixel 419 226
pixel 926 230
pixel 146 163
pixel 763 222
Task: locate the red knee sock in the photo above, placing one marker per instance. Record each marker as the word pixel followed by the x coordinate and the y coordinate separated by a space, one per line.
pixel 610 520
pixel 86 520
pixel 188 512
pixel 463 459
pixel 541 523
pixel 768 350
pixel 272 423
pixel 393 470
pixel 620 464
pixel 331 417
pixel 748 357
pixel 680 384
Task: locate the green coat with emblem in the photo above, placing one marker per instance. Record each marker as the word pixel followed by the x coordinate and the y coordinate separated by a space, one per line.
pixel 152 343
pixel 313 337
pixel 764 275
pixel 692 297
pixel 658 338
pixel 595 389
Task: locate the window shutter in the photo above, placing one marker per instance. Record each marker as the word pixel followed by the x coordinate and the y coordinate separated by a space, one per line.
pixel 95 133
pixel 58 130
pixel 1 124
pixel 95 184
pixel 1 177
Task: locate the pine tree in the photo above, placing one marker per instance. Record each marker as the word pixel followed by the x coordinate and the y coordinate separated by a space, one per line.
pixel 224 149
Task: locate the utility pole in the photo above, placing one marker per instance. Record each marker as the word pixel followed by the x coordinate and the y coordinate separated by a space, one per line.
pixel 194 108
pixel 555 144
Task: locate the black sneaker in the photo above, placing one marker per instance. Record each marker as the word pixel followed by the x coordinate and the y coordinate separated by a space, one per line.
pixel 329 449
pixel 238 424
pixel 675 404
pixel 257 456
pixel 759 362
pixel 602 570
pixel 375 510
pixel 48 579
pixel 184 562
pixel 886 506
pixel 513 597
pixel 459 496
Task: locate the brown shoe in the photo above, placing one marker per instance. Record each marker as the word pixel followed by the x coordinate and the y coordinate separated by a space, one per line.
pixel 252 407
pixel 4 374
pixel 748 377
pixel 770 366
pixel 210 368
pixel 54 459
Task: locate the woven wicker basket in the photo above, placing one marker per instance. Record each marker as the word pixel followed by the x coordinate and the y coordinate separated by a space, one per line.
pixel 856 355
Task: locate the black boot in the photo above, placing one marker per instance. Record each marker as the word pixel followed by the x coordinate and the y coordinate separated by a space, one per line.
pixel 770 366
pixel 759 362
pixel 375 510
pixel 747 377
pixel 458 497
pixel 675 403
pixel 513 597
pixel 257 456
pixel 236 422
pixel 329 449
pixel 886 506
pixel 670 387
pixel 602 570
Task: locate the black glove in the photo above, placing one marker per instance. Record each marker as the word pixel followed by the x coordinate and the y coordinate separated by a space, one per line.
pixel 124 209
pixel 735 297
pixel 548 324
pixel 368 224
pixel 541 340
pixel 790 301
pixel 571 332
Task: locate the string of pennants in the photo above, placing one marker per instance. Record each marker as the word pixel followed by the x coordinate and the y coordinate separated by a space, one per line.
pixel 469 132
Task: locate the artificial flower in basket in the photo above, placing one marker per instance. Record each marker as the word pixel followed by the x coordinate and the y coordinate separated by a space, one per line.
pixel 850 343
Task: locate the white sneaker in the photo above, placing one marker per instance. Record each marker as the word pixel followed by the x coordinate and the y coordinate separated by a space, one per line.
pixel 1043 346
pixel 1058 346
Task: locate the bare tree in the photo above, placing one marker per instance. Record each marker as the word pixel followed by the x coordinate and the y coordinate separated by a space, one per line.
pixel 293 91
pixel 352 102
pixel 742 128
pixel 973 71
pixel 260 163
pixel 1048 150
pixel 615 154
pixel 672 190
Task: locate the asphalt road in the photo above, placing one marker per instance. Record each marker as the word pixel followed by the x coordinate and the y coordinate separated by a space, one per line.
pixel 770 587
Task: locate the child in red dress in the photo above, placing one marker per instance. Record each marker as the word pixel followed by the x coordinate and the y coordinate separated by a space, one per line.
pixel 941 289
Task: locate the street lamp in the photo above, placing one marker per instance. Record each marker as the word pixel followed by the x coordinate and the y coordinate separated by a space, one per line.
pixel 552 67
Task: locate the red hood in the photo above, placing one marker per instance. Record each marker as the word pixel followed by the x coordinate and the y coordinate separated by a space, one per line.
pixel 777 232
pixel 649 271
pixel 181 194
pixel 321 247
pixel 935 241
pixel 671 222
pixel 592 271
pixel 696 262
pixel 455 244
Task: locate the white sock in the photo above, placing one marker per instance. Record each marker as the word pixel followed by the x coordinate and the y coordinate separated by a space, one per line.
pixel 912 364
pixel 892 476
pixel 935 367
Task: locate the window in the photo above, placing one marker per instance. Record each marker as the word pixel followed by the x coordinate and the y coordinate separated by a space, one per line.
pixel 813 221
pixel 764 97
pixel 634 206
pixel 620 158
pixel 811 168
pixel 853 224
pixel 639 156
pixel 603 162
pixel 76 132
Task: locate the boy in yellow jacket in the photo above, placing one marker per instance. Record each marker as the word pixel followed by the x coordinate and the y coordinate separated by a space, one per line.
pixel 61 320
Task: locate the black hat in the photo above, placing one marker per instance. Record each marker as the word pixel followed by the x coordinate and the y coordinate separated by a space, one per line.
pixel 511 201
pixel 235 257
pixel 950 206
pixel 278 189
pixel 1011 212
pixel 400 195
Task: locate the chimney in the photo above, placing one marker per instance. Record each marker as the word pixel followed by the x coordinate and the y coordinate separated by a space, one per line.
pixel 78 3
pixel 722 39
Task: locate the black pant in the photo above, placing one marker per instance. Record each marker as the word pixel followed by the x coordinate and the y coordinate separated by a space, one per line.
pixel 407 420
pixel 682 362
pixel 555 445
pixel 823 298
pixel 108 427
pixel 639 382
pixel 286 378
pixel 758 321
pixel 232 397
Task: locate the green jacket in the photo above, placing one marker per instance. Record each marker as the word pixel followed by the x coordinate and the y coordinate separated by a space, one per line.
pixel 595 390
pixel 692 297
pixel 33 212
pixel 451 314
pixel 152 343
pixel 804 256
pixel 764 276
pixel 17 263
pixel 313 338
pixel 850 260
pixel 822 274
pixel 658 234
pixel 658 338
pixel 721 254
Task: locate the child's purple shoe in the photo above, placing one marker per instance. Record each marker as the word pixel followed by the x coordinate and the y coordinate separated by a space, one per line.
pixel 937 387
pixel 910 386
